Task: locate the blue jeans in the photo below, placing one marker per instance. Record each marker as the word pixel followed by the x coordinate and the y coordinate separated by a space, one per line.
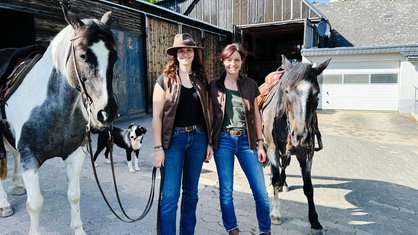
pixel 182 166
pixel 230 145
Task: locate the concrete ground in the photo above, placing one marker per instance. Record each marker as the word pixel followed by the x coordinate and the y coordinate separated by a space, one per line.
pixel 365 182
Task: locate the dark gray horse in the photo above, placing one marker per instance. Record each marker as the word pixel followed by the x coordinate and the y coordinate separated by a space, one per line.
pixel 68 91
pixel 290 127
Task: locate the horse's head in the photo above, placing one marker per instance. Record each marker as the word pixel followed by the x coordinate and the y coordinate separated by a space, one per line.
pixel 301 89
pixel 89 66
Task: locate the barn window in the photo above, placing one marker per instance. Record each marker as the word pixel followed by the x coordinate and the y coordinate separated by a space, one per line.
pixel 331 79
pixel 356 78
pixel 384 78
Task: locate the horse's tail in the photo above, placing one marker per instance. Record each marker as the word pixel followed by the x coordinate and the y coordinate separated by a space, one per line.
pixel 3 168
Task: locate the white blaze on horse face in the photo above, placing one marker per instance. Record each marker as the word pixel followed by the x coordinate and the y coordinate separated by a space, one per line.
pixel 102 54
pixel 299 125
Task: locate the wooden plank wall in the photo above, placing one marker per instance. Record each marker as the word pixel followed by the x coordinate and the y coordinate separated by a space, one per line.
pixel 159 37
pixel 49 19
pixel 226 13
pixel 130 23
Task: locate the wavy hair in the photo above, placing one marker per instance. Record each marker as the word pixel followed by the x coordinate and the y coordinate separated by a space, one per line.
pixel 172 67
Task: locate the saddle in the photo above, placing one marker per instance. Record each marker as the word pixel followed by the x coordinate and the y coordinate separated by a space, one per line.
pixel 15 63
pixel 270 80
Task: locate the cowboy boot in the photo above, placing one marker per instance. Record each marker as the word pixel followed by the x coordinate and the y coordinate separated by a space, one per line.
pixel 234 232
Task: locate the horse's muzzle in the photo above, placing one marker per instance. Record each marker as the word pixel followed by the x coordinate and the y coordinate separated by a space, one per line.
pixel 107 115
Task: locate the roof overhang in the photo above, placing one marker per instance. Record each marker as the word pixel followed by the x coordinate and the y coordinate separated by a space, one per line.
pixel 409 51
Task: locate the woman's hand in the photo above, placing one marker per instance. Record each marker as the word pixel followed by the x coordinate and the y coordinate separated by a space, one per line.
pixel 209 153
pixel 159 157
pixel 262 156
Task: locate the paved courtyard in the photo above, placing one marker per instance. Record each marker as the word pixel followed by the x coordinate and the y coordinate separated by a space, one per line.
pixel 365 182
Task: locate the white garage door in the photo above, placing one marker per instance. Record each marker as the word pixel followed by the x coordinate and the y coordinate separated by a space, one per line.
pixel 359 92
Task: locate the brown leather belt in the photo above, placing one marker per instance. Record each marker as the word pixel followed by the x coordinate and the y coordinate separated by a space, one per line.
pixel 188 128
pixel 235 132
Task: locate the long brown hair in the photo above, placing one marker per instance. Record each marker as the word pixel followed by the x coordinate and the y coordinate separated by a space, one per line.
pixel 172 67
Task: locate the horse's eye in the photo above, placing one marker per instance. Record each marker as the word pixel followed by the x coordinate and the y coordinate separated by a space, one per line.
pixel 83 56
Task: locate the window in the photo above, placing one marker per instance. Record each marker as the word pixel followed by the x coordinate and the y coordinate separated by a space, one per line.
pixel 331 79
pixel 356 78
pixel 384 78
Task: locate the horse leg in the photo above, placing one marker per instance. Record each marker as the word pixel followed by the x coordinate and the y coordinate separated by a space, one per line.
pixel 5 207
pixel 275 203
pixel 283 184
pixel 34 199
pixel 316 227
pixel 19 186
pixel 74 163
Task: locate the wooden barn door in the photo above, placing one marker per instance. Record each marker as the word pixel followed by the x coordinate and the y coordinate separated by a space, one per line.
pixel 237 34
pixel 129 81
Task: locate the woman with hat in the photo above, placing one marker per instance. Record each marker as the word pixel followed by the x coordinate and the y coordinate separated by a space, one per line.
pixel 181 130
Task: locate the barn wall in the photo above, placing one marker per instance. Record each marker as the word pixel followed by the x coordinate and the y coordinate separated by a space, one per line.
pixel 143 33
pixel 226 13
pixel 160 35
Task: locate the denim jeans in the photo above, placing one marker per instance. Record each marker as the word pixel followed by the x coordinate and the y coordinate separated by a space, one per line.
pixel 230 145
pixel 182 166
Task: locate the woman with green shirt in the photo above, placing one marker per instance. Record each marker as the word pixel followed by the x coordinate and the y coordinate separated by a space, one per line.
pixel 237 132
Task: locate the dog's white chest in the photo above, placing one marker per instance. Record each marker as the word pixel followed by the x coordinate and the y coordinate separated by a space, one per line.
pixel 137 143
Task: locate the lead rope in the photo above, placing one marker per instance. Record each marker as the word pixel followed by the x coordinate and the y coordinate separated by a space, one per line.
pixel 151 195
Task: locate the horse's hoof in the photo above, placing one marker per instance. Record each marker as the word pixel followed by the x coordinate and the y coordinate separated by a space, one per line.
pixel 6 211
pixel 276 220
pixel 317 232
pixel 18 191
pixel 284 189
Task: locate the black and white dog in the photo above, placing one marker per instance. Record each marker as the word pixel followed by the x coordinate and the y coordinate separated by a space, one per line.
pixel 129 139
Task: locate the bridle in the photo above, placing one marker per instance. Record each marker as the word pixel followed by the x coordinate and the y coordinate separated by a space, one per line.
pixel 87 101
pixel 81 85
pixel 309 149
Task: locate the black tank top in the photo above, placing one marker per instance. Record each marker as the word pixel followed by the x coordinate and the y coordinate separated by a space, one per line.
pixel 189 110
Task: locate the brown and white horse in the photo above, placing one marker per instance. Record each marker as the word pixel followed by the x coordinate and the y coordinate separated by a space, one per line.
pixel 290 127
pixel 67 91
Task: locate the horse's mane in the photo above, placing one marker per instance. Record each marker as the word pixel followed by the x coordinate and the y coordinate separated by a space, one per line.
pixel 296 74
pixel 289 79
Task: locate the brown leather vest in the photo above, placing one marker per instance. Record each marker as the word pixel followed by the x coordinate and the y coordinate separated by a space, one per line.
pixel 247 88
pixel 172 95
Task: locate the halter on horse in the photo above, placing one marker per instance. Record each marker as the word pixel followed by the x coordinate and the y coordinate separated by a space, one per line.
pixel 290 128
pixel 68 89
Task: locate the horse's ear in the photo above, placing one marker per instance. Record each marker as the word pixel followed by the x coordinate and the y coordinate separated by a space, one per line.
pixel 106 18
pixel 71 19
pixel 319 68
pixel 286 64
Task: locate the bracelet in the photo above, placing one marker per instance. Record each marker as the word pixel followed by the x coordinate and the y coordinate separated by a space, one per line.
pixel 259 139
pixel 158 147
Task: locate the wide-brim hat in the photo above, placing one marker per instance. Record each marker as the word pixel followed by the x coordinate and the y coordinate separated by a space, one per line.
pixel 182 41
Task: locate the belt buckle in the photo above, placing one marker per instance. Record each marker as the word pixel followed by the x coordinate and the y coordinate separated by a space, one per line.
pixel 192 128
pixel 236 133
